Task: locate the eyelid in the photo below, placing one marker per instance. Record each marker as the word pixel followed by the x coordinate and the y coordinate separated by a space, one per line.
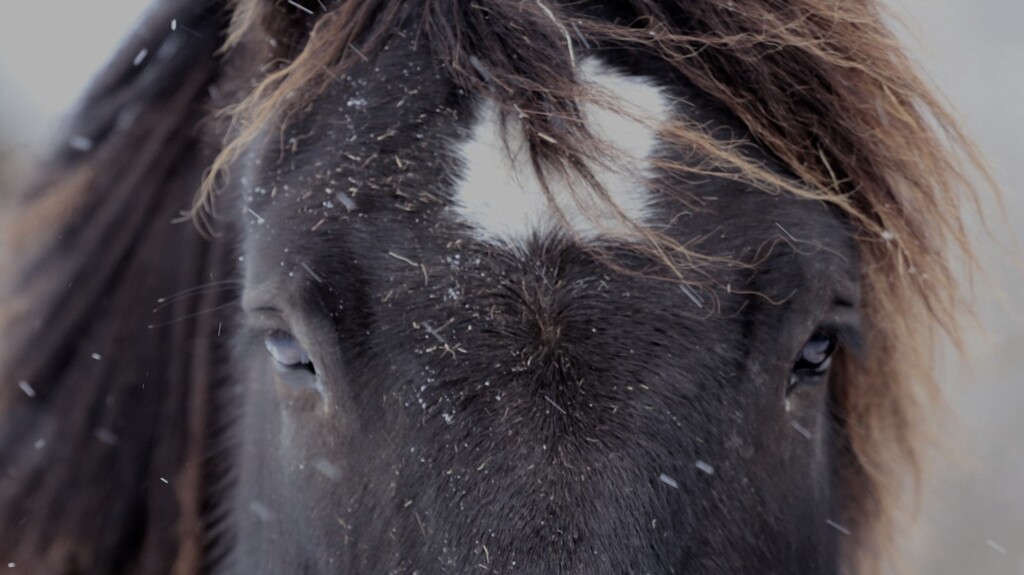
pixel 266 320
pixel 847 337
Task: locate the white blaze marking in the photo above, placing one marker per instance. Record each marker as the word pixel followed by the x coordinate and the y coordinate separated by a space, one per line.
pixel 501 197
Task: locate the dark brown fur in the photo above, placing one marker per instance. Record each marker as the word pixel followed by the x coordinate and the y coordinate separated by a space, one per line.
pixel 822 85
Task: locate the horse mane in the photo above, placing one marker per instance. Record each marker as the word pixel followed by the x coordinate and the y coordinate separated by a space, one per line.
pixel 104 416
pixel 824 86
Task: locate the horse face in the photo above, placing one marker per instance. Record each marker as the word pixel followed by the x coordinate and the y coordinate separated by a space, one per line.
pixel 444 373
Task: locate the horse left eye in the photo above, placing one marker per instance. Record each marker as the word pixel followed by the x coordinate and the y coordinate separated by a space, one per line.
pixel 287 352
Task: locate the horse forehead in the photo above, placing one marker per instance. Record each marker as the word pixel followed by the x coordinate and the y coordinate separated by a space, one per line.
pixel 500 196
pixel 391 132
pixel 392 153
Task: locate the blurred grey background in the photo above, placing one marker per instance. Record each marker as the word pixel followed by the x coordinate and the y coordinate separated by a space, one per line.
pixel 972 518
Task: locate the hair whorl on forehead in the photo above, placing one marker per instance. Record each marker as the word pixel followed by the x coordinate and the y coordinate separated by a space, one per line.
pixel 823 85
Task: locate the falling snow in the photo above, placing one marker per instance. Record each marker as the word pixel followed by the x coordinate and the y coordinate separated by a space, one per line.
pixel 800 429
pixel 25 387
pixel 999 548
pixel 261 511
pixel 327 469
pixel 705 467
pixel 80 143
pixel 105 436
pixel 837 527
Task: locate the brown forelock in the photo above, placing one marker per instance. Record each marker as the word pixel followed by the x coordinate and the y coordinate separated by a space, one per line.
pixel 823 85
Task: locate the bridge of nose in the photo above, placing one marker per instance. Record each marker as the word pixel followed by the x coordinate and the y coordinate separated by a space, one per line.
pixel 544 403
pixel 554 332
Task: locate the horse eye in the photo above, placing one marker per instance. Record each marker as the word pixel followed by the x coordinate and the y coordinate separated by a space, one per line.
pixel 287 352
pixel 814 360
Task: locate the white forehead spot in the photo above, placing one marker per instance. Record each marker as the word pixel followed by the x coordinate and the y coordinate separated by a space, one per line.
pixel 500 196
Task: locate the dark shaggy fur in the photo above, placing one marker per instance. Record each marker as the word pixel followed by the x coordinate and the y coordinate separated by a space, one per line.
pixel 535 414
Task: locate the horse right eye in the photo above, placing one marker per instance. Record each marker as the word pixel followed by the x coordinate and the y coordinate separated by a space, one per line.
pixel 816 356
pixel 287 353
pixel 812 365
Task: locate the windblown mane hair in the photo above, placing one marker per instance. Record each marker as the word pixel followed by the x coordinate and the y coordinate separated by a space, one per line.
pixel 822 85
pixel 103 411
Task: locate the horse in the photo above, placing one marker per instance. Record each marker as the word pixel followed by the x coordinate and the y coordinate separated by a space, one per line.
pixel 502 286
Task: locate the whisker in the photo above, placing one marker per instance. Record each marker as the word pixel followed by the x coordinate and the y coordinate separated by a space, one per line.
pixel 212 287
pixel 200 287
pixel 196 314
